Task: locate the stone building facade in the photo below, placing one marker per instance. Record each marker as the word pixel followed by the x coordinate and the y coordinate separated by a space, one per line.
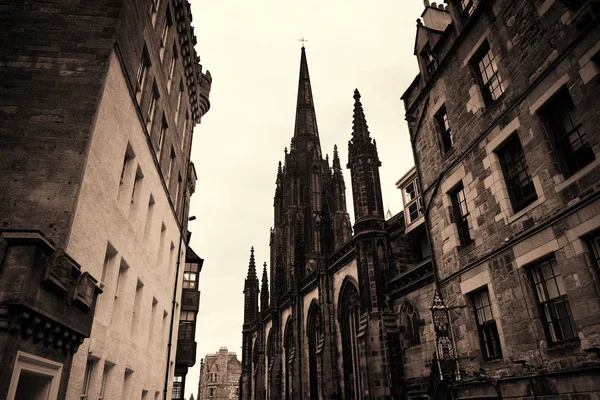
pixel 98 106
pixel 219 376
pixel 504 124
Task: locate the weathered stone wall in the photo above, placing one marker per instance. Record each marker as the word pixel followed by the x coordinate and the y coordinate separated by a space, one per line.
pixel 539 47
pixel 53 58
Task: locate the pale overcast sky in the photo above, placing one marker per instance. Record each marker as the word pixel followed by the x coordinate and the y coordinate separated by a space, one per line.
pixel 252 51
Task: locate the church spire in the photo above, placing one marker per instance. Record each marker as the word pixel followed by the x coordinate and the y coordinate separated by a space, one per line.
pixel 306 121
pixel 252 266
pixel 337 168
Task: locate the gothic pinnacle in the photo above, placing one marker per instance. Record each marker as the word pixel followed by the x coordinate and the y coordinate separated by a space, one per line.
pixel 252 265
pixel 360 130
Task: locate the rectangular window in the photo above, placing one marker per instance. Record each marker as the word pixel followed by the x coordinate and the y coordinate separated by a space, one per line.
pixel 518 181
pixel 177 189
pixel 594 244
pixel 136 183
pixel 428 59
pixel 486 325
pixel 154 4
pixel 553 302
pixel 487 69
pixel 172 69
pixel 177 387
pixel 171 167
pixel 149 215
pixel 412 201
pixel 186 325
pixel 178 108
pixel 570 136
pixel 466 8
pixel 161 137
pixel 461 216
pixel 137 303
pixel 165 34
pixel 184 130
pixel 126 383
pixel 89 367
pixel 151 109
pixel 142 73
pixel 190 276
pixel 445 130
pixel 211 392
pixel 105 373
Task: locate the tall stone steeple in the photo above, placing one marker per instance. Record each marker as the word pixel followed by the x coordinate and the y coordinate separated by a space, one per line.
pixel 341 220
pixel 251 292
pixel 364 164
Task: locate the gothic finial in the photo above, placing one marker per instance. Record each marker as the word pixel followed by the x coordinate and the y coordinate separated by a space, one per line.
pixel 336 159
pixel 279 170
pixel 252 265
pixel 360 130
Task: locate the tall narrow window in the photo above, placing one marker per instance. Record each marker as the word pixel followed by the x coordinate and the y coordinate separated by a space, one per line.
pixel 553 302
pixel 142 73
pixel 190 276
pixel 518 181
pixel 486 325
pixel 126 159
pixel 153 313
pixel 314 343
pixel 149 216
pixel 137 304
pixel 290 351
pixel 87 377
pixel 126 383
pixel 172 68
pixel 171 167
pixel 445 130
pixel 349 317
pixel 154 4
pixel 151 109
pixel 411 324
pixel 165 34
pixel 106 371
pixel 412 201
pixel 186 325
pixel 120 287
pixel 461 216
pixel 428 59
pixel 136 183
pixel 569 133
pixel 491 83
pixel 109 259
pixel 177 189
pixel 184 130
pixel 179 97
pixel 161 137
pixel 161 246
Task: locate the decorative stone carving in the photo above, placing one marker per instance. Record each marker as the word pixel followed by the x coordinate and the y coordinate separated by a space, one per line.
pixel 85 291
pixel 58 270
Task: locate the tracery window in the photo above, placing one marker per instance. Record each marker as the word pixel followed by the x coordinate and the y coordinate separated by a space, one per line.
pixel 349 317
pixel 411 324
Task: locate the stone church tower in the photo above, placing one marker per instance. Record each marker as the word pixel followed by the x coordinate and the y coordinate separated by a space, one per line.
pixel 324 328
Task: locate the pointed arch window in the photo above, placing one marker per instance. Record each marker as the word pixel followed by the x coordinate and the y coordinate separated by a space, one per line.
pixel 315 343
pixel 255 369
pixel 349 318
pixel 289 352
pixel 411 324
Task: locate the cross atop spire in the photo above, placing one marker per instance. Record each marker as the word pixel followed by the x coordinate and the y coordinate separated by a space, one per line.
pixel 302 40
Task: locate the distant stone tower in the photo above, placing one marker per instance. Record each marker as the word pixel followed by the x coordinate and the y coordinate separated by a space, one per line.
pixel 219 376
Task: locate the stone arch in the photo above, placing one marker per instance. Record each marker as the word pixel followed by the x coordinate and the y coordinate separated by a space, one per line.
pixel 349 312
pixel 289 351
pixel 314 332
pixel 409 319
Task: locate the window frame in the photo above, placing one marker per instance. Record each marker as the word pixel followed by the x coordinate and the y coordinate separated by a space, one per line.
pixel 562 102
pixel 511 151
pixel 480 68
pixel 142 73
pixel 466 8
pixel 187 273
pixel 190 325
pixel 487 328
pixel 462 220
pixel 445 129
pixel 535 272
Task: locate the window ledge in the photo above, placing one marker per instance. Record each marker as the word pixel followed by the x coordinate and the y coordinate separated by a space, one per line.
pixel 564 345
pixel 578 175
pixel 525 210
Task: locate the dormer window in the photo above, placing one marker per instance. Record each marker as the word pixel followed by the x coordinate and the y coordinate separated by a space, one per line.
pixel 428 60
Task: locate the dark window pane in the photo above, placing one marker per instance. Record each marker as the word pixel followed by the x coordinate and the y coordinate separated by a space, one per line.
pixel 569 133
pixel 486 325
pixel 461 216
pixel 518 181
pixel 488 71
pixel 446 131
